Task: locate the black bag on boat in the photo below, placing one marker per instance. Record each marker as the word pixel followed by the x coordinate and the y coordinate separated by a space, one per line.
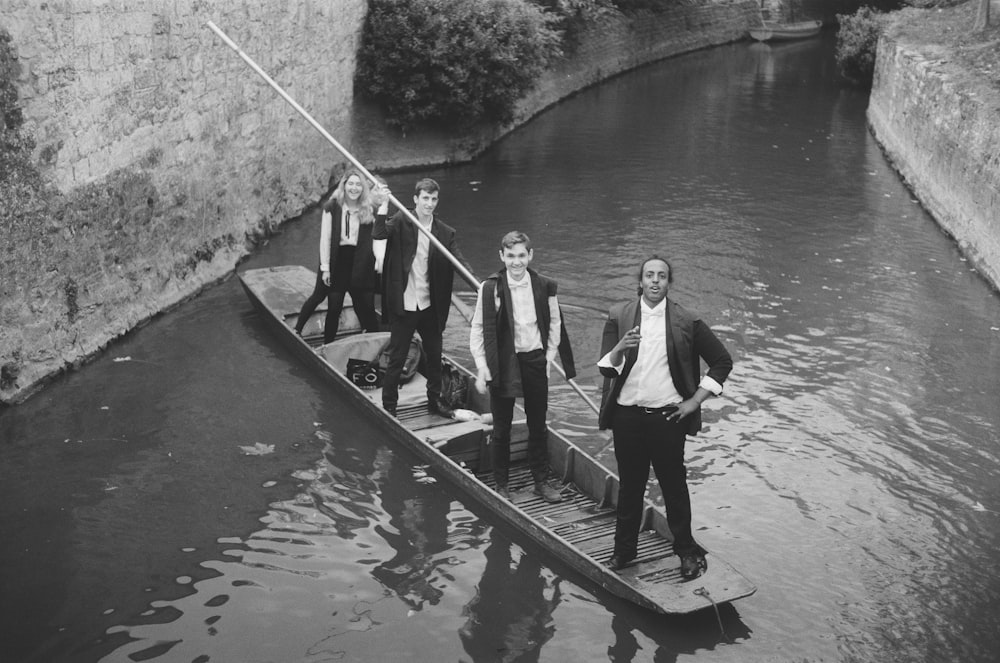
pixel 454 387
pixel 370 374
pixel 365 374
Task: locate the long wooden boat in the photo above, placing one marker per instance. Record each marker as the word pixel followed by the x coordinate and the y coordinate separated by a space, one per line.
pixel 775 31
pixel 578 531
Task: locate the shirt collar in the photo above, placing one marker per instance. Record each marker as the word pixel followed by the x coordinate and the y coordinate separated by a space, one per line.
pixel 523 283
pixel 656 311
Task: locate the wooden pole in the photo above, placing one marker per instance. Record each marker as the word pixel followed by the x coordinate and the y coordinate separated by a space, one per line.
pixel 462 270
pixel 465 273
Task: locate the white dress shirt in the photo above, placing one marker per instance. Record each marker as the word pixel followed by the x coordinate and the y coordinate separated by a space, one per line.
pixel 527 337
pixel 417 295
pixel 348 231
pixel 649 383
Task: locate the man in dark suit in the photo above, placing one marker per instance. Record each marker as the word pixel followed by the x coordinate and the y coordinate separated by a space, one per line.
pixel 651 352
pixel 417 281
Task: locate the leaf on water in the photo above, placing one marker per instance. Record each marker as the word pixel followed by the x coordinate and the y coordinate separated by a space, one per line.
pixel 258 449
pixel 978 507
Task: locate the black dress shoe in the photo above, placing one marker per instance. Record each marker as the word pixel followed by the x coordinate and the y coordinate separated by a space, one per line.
pixel 693 566
pixel 391 409
pixel 618 562
pixel 439 406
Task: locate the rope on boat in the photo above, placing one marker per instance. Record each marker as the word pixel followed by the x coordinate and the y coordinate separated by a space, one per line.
pixel 702 592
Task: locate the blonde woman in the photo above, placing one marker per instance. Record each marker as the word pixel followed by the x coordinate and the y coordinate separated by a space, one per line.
pixel 346 259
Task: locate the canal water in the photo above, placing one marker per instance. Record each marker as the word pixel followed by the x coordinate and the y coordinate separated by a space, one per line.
pixel 196 494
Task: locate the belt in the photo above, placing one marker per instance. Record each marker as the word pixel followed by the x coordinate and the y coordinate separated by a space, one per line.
pixel 639 409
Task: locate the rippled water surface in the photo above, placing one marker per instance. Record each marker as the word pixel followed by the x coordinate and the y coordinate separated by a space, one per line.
pixel 850 470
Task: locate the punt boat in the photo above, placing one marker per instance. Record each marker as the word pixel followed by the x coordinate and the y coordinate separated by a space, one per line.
pixel 578 531
pixel 776 31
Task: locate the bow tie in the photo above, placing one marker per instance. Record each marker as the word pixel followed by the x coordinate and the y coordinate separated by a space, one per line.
pixel 523 283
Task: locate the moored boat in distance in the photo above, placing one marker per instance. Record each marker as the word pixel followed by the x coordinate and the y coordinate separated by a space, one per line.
pixel 775 31
pixel 578 531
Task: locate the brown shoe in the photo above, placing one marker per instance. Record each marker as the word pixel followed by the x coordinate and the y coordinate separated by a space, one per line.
pixel 547 492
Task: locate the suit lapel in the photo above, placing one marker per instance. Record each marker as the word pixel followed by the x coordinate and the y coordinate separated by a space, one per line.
pixel 631 317
pixel 409 244
pixel 671 346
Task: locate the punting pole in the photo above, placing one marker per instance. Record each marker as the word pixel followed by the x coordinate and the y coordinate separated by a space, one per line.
pixel 465 273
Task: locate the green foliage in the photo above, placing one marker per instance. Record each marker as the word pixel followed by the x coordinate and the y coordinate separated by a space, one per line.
pixel 571 17
pixel 452 62
pixel 857 44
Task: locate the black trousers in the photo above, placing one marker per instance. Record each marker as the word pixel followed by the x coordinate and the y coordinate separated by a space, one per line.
pixel 363 300
pixel 401 328
pixel 642 440
pixel 535 387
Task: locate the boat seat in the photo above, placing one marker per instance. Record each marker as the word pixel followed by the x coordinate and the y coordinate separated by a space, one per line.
pixel 357 346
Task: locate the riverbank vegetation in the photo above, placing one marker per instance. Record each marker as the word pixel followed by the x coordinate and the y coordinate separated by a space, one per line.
pixel 460 62
pixel 857 43
pixel 955 25
pixel 452 62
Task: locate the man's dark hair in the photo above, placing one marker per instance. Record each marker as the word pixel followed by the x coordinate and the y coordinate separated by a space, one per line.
pixel 652 257
pixel 515 237
pixel 426 184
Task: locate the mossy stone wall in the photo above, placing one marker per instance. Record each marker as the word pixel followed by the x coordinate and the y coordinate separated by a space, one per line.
pixel 157 156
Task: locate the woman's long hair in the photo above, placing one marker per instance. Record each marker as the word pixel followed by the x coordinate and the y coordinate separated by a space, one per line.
pixel 365 202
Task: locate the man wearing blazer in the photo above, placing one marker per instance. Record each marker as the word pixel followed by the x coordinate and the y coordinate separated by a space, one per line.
pixel 651 360
pixel 417 282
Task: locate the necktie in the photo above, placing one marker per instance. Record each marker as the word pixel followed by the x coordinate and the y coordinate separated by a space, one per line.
pixel 345 232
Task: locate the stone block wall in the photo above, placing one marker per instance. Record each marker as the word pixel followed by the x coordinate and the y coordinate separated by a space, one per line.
pixel 940 129
pixel 165 156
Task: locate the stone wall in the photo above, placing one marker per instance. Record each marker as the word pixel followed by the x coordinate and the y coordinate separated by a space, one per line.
pixel 164 154
pixel 938 124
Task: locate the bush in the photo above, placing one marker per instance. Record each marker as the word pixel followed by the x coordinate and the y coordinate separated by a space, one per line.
pixel 857 44
pixel 452 62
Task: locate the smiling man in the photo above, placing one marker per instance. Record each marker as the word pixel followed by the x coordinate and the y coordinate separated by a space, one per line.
pixel 417 280
pixel 651 361
pixel 516 331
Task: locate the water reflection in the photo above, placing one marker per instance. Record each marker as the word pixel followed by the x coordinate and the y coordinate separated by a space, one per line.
pixel 417 530
pixel 510 617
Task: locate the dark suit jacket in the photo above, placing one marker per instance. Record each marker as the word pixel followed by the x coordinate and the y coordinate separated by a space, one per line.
pixel 688 340
pixel 363 269
pixel 401 248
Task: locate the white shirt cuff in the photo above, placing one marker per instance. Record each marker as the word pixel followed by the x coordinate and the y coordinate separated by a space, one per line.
pixel 605 362
pixel 711 385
